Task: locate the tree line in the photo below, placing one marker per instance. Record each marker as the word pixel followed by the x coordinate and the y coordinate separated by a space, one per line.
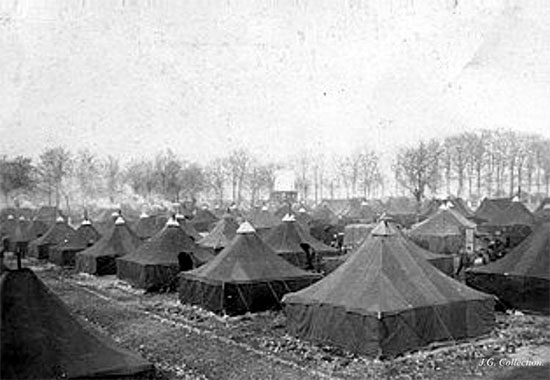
pixel 470 165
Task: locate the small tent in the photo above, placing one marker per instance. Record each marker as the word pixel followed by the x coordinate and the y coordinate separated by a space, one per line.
pixel 40 248
pixel 221 235
pixel 446 231
pixel 386 300
pixel 263 220
pixel 100 259
pixel 203 220
pixel 157 262
pixel 188 227
pixel 247 275
pixel 146 226
pixel 288 241
pixel 41 339
pixel 521 279
pixel 64 253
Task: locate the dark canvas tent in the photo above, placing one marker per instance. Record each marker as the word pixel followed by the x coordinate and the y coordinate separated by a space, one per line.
pixel 289 242
pixel 386 300
pixel 188 227
pixel 41 339
pixel 37 228
pixel 263 219
pixel 361 213
pixel 245 276
pixel 502 212
pixel 64 253
pixel 203 220
pixel 542 213
pixel 100 259
pixel 157 262
pixel 221 235
pixel 521 279
pixel 146 226
pixel 57 233
pixel 354 234
pixel 443 232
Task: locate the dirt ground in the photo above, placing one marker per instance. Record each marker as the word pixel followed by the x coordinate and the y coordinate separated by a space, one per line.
pixel 185 342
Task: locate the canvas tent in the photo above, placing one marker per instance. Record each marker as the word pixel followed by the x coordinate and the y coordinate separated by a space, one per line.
pixel 446 231
pixel 247 275
pixel 146 226
pixel 64 253
pixel 221 235
pixel 40 248
pixel 354 234
pixel 203 220
pixel 521 279
pixel 188 227
pixel 386 300
pixel 41 339
pixel 100 259
pixel 36 228
pixel 263 220
pixel 289 242
pixel 157 262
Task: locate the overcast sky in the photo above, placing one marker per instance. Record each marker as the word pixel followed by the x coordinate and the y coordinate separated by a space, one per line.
pixel 274 76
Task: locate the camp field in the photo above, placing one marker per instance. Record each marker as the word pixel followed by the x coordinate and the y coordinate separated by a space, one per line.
pixel 185 342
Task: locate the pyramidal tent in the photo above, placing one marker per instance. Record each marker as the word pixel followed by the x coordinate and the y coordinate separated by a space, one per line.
pixel 521 279
pixel 41 339
pixel 88 231
pixel 100 259
pixel 247 275
pixel 263 219
pixel 504 212
pixel 203 220
pixel 188 227
pixel 64 253
pixel 146 227
pixel 288 241
pixel 386 300
pixel 444 232
pixel 157 262
pixel 36 228
pixel 221 235
pixel 40 248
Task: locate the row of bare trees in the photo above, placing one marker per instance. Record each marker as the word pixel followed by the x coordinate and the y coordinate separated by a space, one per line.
pixel 470 165
pixel 474 165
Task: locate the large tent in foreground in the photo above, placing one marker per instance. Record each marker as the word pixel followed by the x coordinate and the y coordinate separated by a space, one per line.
pixel 247 275
pixel 521 279
pixel 100 259
pixel 386 300
pixel 157 262
pixel 41 339
pixel 40 248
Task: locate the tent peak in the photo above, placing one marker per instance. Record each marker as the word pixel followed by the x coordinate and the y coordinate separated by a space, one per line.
pixel 172 222
pixel 11 217
pixel 265 208
pixel 86 222
pixel 245 228
pixel 120 220
pixel 289 218
pixel 302 210
pixel 22 218
pixel 143 215
pixel 60 219
pixel 383 229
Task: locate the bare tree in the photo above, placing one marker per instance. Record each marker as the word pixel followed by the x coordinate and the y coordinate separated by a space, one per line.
pixel 111 175
pixel 237 164
pixel 15 175
pixel 418 168
pixel 86 170
pixel 55 165
pixel 216 176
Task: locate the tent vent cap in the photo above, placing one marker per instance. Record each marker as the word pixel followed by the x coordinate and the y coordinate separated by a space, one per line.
pixel 179 215
pixel 115 214
pixel 265 208
pixel 383 229
pixel 546 206
pixel 21 218
pixel 379 316
pixel 119 221
pixel 246 228
pixel 364 203
pixel 11 217
pixel 515 198
pixel 289 218
pixel 302 210
pixel 172 222
pixel 60 219
pixel 143 215
pixel 86 222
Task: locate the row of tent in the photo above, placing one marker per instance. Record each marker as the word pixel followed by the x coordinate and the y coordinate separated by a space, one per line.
pixel 385 299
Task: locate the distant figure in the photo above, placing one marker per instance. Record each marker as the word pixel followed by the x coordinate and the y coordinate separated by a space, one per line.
pixel 464 261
